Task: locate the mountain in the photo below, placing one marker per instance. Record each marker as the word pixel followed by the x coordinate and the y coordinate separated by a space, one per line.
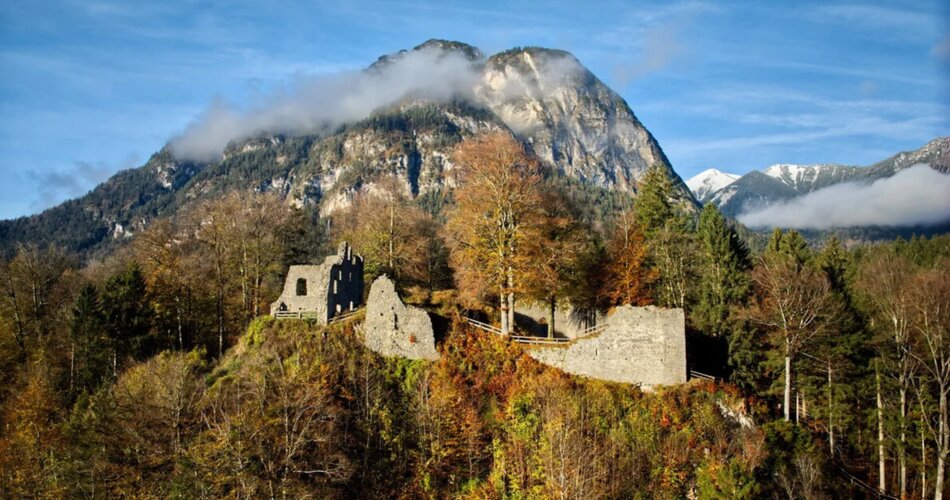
pixel 707 182
pixel 580 128
pixel 786 181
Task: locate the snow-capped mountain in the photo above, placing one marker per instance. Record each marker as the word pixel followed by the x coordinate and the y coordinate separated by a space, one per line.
pixel 807 178
pixel 785 181
pixel 706 183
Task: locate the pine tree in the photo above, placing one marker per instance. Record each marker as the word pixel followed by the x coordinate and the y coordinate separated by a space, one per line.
pixel 723 280
pixel 653 207
pixel 128 314
pixel 88 356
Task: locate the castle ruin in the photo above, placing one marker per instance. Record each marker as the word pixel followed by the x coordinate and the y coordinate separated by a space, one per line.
pixel 322 291
pixel 396 329
pixel 639 345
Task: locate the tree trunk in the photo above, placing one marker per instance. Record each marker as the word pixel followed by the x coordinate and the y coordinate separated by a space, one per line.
pixel 882 479
pixel 787 407
pixel 831 426
pixel 923 451
pixel 392 235
pixel 181 343
pixel 943 446
pixel 511 298
pixel 552 305
pixel 72 365
pixel 503 305
pixel 902 449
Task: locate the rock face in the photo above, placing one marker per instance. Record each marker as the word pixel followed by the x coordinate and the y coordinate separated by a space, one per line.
pixel 641 345
pixel 571 119
pixel 323 291
pixel 395 329
pixel 575 123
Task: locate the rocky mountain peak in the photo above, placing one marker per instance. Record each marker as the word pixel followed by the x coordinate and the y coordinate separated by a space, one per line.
pixel 706 183
pixel 471 53
pixel 572 120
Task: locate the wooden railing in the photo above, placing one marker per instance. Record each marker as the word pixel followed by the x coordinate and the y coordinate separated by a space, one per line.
pixel 700 375
pixel 594 330
pixel 296 315
pixel 521 339
pixel 483 326
pixel 345 316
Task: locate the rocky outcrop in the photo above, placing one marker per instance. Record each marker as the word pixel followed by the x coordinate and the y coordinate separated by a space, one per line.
pixel 392 328
pixel 641 345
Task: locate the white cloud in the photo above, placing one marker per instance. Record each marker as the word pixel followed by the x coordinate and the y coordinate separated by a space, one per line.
pixel 313 103
pixel 918 195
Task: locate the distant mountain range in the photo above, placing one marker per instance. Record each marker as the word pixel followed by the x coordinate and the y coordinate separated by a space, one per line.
pixel 578 126
pixel 734 194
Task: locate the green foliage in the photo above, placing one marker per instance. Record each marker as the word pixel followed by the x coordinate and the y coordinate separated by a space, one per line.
pixel 653 203
pixel 724 283
pixel 128 314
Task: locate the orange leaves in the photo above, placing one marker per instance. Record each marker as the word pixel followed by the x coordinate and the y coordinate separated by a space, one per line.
pixel 497 212
pixel 627 277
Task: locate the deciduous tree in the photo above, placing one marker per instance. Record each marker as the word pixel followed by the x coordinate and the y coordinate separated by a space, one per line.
pixel 497 212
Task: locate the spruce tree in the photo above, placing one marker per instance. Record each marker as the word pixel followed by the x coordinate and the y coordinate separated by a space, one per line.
pixel 724 282
pixel 128 314
pixel 653 207
pixel 88 355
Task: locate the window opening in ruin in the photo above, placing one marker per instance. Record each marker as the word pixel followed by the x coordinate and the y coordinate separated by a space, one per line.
pixel 301 287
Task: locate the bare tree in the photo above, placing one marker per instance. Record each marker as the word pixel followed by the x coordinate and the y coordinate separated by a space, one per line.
pixel 884 281
pixel 795 303
pixel 930 346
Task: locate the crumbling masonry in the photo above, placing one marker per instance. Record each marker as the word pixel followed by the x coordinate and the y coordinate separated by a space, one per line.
pixel 395 329
pixel 640 345
pixel 323 291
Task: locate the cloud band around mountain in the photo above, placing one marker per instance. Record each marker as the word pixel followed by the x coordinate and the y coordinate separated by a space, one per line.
pixel 316 103
pixel 916 196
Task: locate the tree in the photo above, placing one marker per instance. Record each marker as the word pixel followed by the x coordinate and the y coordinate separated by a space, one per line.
pixel 930 346
pixel 89 346
pixel 671 244
pixel 557 256
pixel 34 291
pixel 884 283
pixel 394 236
pixel 794 303
pixel 653 206
pixel 723 280
pixel 128 315
pixel 163 249
pixel 497 212
pixel 673 253
pixel 627 279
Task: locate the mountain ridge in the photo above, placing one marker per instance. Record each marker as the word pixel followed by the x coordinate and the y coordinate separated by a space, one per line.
pixel 575 123
pixel 780 182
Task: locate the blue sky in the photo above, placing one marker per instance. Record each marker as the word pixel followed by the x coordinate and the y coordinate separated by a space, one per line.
pixel 89 87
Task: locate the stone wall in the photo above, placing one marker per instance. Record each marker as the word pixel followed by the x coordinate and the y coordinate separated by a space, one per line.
pixel 640 345
pixel 568 320
pixel 392 328
pixel 331 288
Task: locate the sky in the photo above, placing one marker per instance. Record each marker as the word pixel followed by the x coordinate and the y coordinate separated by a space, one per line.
pixel 90 87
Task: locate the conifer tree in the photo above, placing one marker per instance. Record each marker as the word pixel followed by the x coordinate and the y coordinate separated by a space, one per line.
pixel 88 356
pixel 128 314
pixel 723 281
pixel 653 207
